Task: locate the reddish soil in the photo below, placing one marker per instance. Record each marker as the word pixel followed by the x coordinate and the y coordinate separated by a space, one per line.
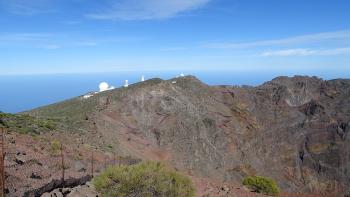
pixel 30 163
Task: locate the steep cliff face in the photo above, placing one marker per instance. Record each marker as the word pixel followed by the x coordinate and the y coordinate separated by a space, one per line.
pixel 295 130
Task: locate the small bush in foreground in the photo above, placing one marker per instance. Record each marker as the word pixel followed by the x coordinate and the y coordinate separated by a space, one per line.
pixel 262 185
pixel 143 179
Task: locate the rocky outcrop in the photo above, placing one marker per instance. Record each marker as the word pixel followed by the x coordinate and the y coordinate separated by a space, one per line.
pixel 295 130
pixel 54 185
pixel 86 190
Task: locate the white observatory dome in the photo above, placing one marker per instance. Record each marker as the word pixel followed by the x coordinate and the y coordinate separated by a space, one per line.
pixel 103 86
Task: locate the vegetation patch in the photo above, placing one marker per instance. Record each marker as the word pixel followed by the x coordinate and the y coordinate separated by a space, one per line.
pixel 55 147
pixel 261 185
pixel 318 148
pixel 25 124
pixel 144 179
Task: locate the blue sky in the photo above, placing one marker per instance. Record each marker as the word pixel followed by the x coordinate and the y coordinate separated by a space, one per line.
pixel 77 36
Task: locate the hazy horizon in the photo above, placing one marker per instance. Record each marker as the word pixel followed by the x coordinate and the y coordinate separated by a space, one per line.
pixel 31 91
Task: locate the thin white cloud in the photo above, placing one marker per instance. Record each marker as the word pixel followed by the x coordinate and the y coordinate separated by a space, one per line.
pixel 27 7
pixel 307 52
pixel 13 37
pixel 111 40
pixel 51 46
pixel 147 9
pixel 289 52
pixel 72 22
pixel 86 43
pixel 174 49
pixel 33 40
pixel 56 40
pixel 304 39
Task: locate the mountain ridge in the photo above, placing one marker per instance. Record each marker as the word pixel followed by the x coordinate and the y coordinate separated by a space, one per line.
pixel 295 130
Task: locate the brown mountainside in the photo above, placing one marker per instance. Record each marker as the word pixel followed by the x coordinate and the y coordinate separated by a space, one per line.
pixel 294 130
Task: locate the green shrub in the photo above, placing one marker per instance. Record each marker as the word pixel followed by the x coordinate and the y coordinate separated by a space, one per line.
pixel 25 124
pixel 144 179
pixel 262 185
pixel 48 124
pixel 55 147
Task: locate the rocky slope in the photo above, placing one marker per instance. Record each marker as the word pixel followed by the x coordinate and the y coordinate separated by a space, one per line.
pixel 295 130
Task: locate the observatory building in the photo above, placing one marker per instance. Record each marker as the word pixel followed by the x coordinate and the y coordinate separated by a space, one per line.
pixel 104 87
pixel 126 83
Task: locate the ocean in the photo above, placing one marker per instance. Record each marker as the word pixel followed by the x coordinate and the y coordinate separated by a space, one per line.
pixel 24 92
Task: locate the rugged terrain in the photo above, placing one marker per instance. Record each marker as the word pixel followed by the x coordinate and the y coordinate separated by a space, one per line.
pixel 294 130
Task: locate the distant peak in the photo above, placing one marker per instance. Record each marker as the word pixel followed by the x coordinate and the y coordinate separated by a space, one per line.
pixel 188 78
pixel 296 78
